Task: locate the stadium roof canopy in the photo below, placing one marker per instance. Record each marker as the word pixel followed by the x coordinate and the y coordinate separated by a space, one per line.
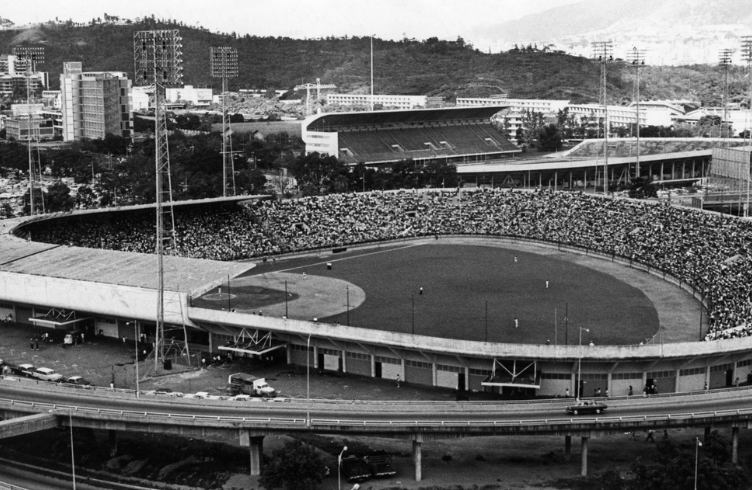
pixel 340 120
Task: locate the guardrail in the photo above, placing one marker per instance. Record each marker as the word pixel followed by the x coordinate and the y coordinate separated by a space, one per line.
pixel 9 486
pixel 103 391
pixel 235 422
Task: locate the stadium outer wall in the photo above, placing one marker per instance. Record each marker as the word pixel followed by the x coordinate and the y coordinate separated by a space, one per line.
pixel 459 365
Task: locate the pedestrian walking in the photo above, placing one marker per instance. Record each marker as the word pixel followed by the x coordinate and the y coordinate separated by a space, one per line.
pixel 650 436
pixel 665 435
pixel 546 284
pixel 515 259
pixel 420 292
pixel 36 344
pixel 31 344
pixel 630 391
pixel 736 382
pixel 516 323
pixel 566 393
pixel 398 380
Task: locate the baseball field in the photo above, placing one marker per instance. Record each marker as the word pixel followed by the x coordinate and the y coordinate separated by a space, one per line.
pixel 471 292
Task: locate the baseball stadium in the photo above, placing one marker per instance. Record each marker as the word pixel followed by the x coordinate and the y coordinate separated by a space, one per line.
pixel 520 293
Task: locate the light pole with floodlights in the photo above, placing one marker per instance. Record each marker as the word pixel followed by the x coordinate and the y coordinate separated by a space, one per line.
pixel 308 381
pixel 135 337
pixel 579 364
pixel 339 466
pixel 697 452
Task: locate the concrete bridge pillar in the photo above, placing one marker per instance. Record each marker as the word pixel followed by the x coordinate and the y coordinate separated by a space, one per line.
pixel 567 448
pixel 734 445
pixel 112 442
pixel 417 456
pixel 254 441
pixel 256 454
pixel 583 471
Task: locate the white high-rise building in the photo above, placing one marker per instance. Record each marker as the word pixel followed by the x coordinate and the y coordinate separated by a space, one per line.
pixel 95 104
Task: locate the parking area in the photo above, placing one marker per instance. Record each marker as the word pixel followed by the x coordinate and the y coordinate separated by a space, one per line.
pixel 102 359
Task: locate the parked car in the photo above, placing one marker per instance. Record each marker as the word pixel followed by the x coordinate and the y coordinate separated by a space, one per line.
pixel 46 374
pixel 79 381
pixel 586 406
pixel 24 370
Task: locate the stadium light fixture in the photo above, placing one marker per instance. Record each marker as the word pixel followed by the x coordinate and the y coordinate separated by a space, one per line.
pixel 637 58
pixel 603 53
pixel 224 65
pixel 724 60
pixel 158 62
pixel 32 56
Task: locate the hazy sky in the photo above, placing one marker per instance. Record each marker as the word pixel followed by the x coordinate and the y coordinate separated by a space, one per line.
pixel 387 19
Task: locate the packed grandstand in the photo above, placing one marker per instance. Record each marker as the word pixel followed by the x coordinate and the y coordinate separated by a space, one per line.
pixel 706 250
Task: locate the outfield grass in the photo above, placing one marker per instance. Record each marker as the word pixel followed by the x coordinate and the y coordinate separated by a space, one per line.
pixel 458 280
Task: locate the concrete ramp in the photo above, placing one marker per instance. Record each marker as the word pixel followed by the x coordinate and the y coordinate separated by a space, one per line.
pixel 26 425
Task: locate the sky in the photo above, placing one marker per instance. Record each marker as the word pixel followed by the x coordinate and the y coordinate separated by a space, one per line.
pixel 386 19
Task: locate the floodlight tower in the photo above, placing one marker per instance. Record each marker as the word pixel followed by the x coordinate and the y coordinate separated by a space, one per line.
pixel 158 60
pixel 747 56
pixel 32 56
pixel 724 60
pixel 637 58
pixel 603 53
pixel 224 65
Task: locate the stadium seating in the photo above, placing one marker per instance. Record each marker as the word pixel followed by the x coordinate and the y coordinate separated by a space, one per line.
pixel 423 142
pixel 707 251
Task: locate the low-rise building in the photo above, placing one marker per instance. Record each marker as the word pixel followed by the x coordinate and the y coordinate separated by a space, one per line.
pixel 198 97
pixel 403 102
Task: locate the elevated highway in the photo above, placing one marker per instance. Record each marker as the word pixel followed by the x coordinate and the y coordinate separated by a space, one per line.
pixel 250 422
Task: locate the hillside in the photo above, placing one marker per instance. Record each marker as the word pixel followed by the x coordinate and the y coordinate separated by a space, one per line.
pixel 672 32
pixel 430 67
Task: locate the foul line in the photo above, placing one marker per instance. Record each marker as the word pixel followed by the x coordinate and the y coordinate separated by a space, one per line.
pixel 347 258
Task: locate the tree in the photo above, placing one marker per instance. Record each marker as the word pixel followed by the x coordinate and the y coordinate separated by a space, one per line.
pixel 59 198
pixel 293 467
pixel 6 211
pixel 549 138
pixel 675 468
pixel 316 173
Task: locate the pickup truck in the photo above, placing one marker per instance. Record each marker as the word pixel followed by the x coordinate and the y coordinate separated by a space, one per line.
pixel 242 383
pixel 380 463
pixel 355 469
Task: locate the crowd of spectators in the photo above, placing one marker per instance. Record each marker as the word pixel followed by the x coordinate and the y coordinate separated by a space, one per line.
pixel 705 250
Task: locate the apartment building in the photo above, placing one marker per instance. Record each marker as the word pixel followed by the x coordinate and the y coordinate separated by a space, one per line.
pixel 13 76
pixel 94 104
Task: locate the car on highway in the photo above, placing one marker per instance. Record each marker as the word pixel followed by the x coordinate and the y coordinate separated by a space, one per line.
pixel 245 398
pixel 78 381
pixel 163 392
pixel 586 406
pixel 46 374
pixel 24 370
